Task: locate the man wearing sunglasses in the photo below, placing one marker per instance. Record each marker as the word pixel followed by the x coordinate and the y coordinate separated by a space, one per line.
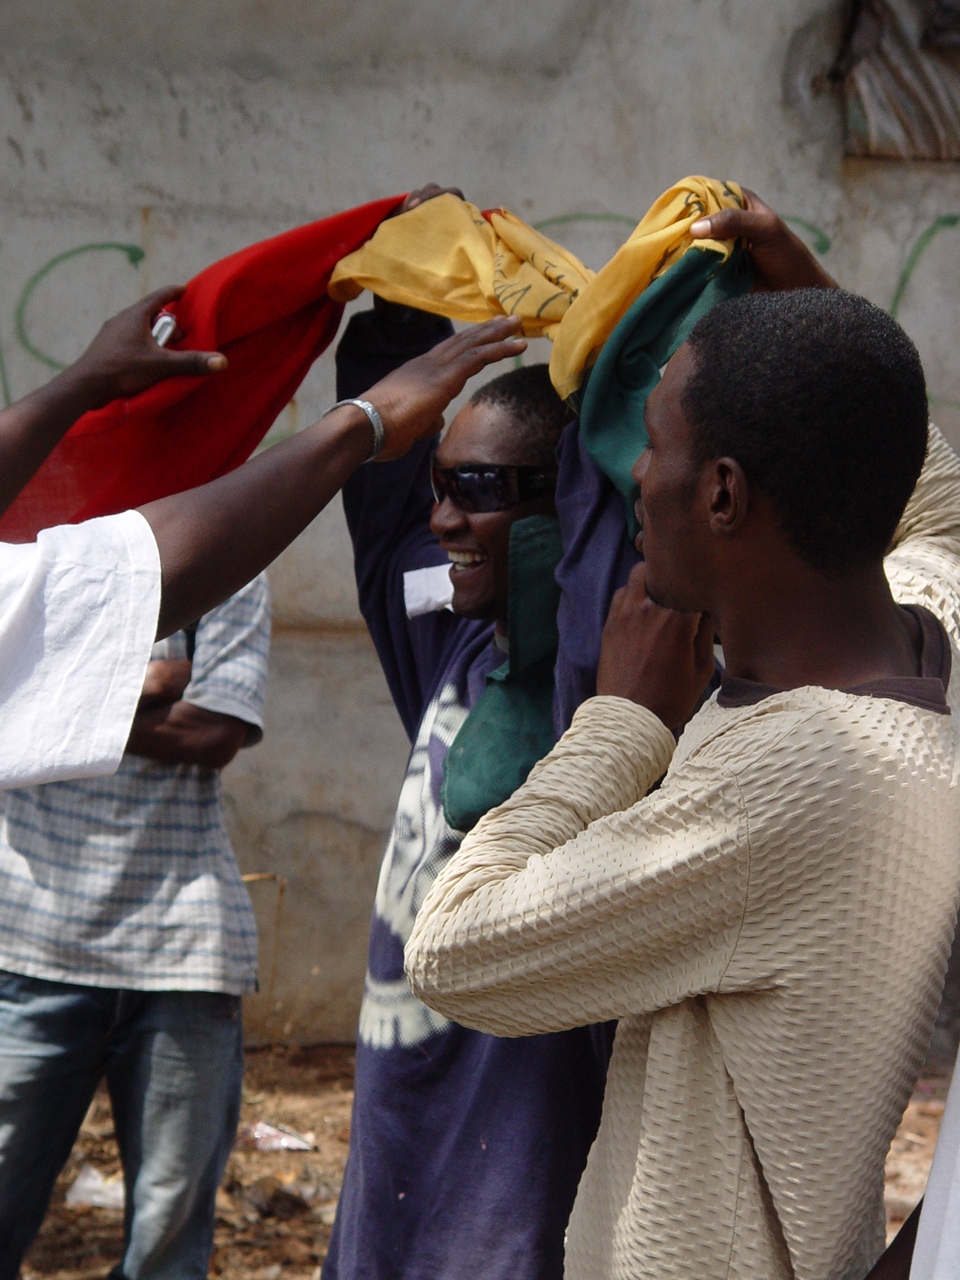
pixel 466 1149
pixel 477 502
pixel 463 1146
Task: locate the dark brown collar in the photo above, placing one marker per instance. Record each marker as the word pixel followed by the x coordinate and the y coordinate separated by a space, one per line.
pixel 928 690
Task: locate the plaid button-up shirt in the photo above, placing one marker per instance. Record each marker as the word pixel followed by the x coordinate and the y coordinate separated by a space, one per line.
pixel 129 881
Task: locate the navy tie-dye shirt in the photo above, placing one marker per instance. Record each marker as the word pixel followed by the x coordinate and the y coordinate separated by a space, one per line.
pixel 465 1149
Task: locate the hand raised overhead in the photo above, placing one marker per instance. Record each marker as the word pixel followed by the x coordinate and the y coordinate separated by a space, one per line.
pixel 123 360
pixel 780 258
pixel 656 657
pixel 422 194
pixel 411 400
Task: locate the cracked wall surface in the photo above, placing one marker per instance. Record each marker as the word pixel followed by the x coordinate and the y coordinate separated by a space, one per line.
pixel 187 130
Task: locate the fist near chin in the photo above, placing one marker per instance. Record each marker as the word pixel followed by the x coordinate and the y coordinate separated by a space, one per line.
pixel 655 657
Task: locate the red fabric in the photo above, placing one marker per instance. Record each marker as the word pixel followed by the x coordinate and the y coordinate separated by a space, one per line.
pixel 267 310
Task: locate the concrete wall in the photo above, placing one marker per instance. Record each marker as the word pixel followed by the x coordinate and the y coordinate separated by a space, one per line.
pixel 189 129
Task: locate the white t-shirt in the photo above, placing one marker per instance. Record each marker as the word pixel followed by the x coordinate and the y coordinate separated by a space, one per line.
pixel 78 618
pixel 936 1255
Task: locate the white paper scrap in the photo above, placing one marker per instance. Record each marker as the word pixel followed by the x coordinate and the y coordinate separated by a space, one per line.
pixel 427 590
pixel 90 1187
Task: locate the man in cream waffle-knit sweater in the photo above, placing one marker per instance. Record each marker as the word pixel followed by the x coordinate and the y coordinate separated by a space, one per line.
pixel 771 923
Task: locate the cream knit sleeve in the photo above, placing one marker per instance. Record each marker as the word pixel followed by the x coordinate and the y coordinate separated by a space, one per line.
pixel 923 566
pixel 582 898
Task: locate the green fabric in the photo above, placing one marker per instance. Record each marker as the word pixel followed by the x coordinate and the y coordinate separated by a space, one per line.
pixel 510 726
pixel 628 367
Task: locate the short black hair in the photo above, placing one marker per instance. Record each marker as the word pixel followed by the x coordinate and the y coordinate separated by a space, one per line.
pixel 527 394
pixel 820 396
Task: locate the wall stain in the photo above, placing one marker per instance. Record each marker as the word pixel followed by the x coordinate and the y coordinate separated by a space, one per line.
pixel 26 110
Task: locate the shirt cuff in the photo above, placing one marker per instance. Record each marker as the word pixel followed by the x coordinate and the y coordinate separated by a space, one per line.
pixel 634 729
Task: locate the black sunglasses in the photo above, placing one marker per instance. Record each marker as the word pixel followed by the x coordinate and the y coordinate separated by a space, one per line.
pixel 481 486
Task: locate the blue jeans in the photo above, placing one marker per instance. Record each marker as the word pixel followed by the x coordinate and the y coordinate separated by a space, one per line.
pixel 173 1062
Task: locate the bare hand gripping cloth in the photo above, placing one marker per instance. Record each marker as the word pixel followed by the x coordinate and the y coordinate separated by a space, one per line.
pixel 775 918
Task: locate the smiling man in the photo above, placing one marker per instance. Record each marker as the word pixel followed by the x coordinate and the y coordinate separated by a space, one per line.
pixel 463 1146
pixel 496 465
pixel 776 915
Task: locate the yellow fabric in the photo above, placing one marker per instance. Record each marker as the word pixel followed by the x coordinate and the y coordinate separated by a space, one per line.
pixel 446 257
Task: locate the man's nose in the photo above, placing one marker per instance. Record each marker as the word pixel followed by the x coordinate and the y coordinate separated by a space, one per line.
pixel 640 466
pixel 446 518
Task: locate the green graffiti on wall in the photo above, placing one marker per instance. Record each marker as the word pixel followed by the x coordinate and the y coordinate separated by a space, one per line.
pixel 945 222
pixel 817 238
pixel 134 254
pixel 917 250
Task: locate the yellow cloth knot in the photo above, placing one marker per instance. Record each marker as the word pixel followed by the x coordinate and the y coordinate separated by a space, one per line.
pixel 444 256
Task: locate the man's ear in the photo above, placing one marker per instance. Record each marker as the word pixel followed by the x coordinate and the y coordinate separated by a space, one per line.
pixel 729 498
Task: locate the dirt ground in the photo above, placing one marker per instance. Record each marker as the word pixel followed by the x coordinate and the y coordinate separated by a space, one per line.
pixel 275 1209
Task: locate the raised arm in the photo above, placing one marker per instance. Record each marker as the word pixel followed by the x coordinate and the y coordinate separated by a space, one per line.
pixel 122 361
pixel 215 538
pixel 780 258
pixel 388 514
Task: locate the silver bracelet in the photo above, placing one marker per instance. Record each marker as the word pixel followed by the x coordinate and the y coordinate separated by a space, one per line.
pixel 376 422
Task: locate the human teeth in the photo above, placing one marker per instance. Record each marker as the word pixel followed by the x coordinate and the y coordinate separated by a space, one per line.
pixel 465 559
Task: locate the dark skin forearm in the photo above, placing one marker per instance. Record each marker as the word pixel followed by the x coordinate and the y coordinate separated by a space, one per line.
pixel 181 733
pixel 165 681
pixel 32 427
pixel 122 361
pixel 215 538
pixel 655 657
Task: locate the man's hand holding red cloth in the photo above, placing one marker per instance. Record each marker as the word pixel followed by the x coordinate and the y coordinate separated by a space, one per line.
pixel 266 310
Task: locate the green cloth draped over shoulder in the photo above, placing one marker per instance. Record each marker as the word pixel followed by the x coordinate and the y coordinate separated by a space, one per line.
pixel 510 726
pixel 612 399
